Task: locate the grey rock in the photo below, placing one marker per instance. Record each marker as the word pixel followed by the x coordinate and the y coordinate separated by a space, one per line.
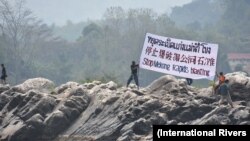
pixel 57 120
pixel 64 87
pixel 112 85
pixel 4 100
pixel 40 84
pixel 4 88
pixel 89 85
pixel 240 85
pixel 141 127
pixel 106 112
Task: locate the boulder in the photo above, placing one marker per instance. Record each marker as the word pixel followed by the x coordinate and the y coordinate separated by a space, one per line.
pixel 161 82
pixel 112 85
pixel 239 85
pixel 40 84
pixel 4 88
pixel 64 87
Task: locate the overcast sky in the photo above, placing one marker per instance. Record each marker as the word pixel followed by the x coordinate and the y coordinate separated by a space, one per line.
pixel 59 11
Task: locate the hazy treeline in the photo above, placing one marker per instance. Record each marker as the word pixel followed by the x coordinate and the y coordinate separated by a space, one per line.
pixel 104 49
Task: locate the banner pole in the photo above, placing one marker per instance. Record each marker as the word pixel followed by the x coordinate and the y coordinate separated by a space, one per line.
pixel 213 88
pixel 138 76
pixel 140 63
pixel 216 74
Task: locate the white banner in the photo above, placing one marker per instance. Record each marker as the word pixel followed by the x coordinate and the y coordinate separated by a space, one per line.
pixel 184 58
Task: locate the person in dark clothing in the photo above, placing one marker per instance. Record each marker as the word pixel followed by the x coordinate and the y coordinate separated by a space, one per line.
pixel 189 81
pixel 134 69
pixel 4 74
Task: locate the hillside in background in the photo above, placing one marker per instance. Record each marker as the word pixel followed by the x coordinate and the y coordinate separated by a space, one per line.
pixel 70 32
pixel 198 13
pixel 103 49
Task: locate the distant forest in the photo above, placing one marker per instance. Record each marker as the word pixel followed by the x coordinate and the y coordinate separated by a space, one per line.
pixel 103 49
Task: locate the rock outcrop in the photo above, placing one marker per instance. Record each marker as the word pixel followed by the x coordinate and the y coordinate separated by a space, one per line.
pixel 36 110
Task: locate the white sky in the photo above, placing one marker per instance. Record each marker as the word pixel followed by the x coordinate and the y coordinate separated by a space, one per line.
pixel 59 11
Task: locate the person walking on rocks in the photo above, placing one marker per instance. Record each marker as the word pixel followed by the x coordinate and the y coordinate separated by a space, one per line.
pixel 224 92
pixel 4 74
pixel 134 69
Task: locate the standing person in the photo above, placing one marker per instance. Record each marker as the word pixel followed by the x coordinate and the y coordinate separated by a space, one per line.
pixel 4 74
pixel 189 81
pixel 224 92
pixel 221 78
pixel 133 75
